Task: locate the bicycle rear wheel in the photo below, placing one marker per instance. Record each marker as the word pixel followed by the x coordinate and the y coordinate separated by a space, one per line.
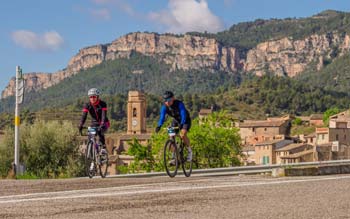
pixel 90 167
pixel 170 158
pixel 186 165
pixel 103 165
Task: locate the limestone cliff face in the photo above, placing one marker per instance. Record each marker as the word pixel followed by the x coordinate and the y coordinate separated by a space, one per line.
pixel 288 57
pixel 187 52
pixel 282 57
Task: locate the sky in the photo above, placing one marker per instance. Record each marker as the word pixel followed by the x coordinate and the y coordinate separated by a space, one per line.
pixel 42 35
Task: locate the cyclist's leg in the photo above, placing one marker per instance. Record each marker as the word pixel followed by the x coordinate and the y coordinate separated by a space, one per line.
pixel 174 123
pixel 185 128
pixel 101 134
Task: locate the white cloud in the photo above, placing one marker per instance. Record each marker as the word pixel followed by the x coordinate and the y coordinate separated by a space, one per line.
pixel 49 41
pixel 103 13
pixel 187 15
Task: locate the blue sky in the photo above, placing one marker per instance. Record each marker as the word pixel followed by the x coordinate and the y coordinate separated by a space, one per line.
pixel 42 35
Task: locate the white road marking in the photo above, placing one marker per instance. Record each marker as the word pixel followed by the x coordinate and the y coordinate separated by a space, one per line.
pixel 116 191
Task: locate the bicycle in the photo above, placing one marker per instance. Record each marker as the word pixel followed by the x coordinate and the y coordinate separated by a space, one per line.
pixel 175 153
pixel 93 157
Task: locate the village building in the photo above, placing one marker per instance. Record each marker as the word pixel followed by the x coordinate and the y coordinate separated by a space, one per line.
pixel 252 132
pixel 316 120
pixel 136 129
pixel 296 153
pixel 265 152
pixel 322 136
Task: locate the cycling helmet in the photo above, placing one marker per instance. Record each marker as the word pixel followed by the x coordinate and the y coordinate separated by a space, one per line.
pixel 94 92
pixel 167 95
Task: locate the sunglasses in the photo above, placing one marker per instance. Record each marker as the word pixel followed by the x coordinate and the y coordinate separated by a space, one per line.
pixel 93 97
pixel 167 99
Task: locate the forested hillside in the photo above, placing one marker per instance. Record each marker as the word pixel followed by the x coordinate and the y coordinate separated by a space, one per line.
pixel 121 75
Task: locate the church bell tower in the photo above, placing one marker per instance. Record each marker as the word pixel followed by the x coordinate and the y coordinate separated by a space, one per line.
pixel 136 113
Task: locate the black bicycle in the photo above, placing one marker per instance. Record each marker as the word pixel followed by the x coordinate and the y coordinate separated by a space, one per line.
pixel 95 160
pixel 175 154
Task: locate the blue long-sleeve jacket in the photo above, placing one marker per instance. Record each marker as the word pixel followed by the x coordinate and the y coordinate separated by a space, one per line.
pixel 177 111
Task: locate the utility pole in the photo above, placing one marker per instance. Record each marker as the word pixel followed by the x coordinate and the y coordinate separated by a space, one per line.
pixel 19 99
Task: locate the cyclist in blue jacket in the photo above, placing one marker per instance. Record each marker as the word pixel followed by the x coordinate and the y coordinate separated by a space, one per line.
pixel 176 109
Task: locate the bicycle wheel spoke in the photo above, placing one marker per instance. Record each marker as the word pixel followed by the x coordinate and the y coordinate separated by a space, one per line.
pixel 170 158
pixel 103 165
pixel 89 163
pixel 186 164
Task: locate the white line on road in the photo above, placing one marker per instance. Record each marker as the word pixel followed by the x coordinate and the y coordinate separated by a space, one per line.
pixel 105 192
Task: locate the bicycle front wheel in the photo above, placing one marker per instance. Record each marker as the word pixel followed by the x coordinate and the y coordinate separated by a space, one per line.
pixel 103 165
pixel 170 158
pixel 186 164
pixel 89 160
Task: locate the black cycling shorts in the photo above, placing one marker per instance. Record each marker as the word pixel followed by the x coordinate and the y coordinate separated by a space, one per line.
pixel 185 126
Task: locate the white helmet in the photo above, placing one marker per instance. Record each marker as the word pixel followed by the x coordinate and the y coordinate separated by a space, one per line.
pixel 94 92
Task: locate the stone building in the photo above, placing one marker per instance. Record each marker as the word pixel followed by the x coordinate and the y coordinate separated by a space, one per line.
pixel 265 152
pixel 316 119
pixel 252 132
pixel 322 136
pixel 296 153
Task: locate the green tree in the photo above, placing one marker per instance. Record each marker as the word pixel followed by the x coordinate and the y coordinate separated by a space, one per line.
pixel 143 159
pixel 328 113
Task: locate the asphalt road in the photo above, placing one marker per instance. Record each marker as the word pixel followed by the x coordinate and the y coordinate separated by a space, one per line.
pixel 180 197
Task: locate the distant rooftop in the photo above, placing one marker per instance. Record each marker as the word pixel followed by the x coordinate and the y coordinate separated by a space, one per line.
pixel 261 123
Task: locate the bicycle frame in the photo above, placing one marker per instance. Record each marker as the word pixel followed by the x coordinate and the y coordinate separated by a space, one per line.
pixel 92 138
pixel 172 135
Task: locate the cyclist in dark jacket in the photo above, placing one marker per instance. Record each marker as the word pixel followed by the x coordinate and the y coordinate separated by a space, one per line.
pixel 176 109
pixel 97 110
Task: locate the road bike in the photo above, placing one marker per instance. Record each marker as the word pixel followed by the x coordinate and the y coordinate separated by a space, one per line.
pixel 175 154
pixel 95 161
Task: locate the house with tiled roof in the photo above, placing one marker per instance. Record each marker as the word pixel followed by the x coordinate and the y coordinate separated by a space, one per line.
pixel 296 153
pixel 252 132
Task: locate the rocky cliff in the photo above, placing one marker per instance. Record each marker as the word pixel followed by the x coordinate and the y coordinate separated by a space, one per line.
pixel 289 57
pixel 282 57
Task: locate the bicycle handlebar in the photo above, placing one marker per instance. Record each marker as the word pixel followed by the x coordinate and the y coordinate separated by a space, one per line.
pixel 84 127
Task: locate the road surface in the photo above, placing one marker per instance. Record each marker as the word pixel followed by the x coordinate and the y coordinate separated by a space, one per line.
pixel 179 197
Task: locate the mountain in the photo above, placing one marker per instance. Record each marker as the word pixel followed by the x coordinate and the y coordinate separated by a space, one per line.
pixel 302 48
pixel 181 52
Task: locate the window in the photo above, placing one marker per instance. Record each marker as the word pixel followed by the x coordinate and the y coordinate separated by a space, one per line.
pixel 336 137
pixel 134 113
pixel 265 160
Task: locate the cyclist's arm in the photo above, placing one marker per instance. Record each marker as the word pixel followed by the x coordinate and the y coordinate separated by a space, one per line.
pixel 103 114
pixel 162 116
pixel 182 113
pixel 84 115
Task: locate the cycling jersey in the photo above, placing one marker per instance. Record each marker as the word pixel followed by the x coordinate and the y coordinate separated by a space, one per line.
pixel 178 111
pixel 98 114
